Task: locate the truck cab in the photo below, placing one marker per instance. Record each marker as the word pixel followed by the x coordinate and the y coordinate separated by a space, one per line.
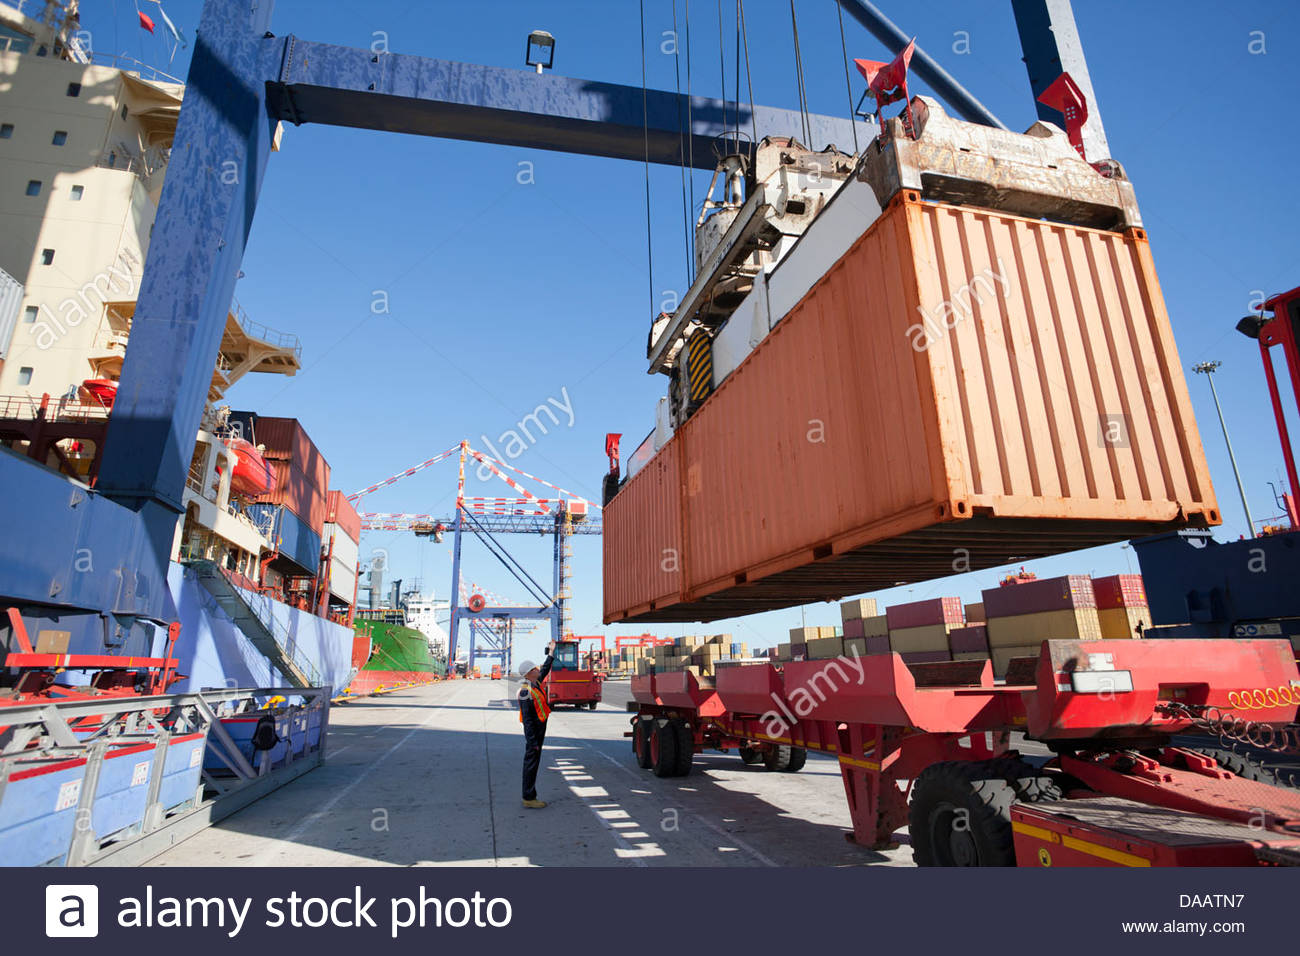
pixel 569 682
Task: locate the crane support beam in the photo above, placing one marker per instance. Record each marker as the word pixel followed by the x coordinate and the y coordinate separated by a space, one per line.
pixel 342 86
pixel 956 96
pixel 1049 38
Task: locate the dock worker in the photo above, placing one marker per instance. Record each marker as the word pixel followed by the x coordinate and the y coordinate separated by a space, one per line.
pixel 533 711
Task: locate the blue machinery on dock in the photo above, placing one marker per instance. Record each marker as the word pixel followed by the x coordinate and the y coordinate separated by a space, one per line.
pixel 117 781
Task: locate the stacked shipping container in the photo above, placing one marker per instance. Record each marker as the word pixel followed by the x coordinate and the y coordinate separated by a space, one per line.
pixel 1022 616
pixel 1019 617
pixel 342 541
pixel 1122 609
pixel 297 506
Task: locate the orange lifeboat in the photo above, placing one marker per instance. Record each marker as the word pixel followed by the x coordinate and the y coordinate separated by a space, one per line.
pixel 252 474
pixel 102 391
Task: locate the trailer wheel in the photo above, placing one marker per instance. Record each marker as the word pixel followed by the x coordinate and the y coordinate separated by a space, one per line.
pixel 663 749
pixel 798 757
pixel 641 732
pixel 1241 765
pixel 961 810
pixel 749 754
pixel 685 746
pixel 778 758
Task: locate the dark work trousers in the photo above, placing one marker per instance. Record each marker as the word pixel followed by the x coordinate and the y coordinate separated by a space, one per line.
pixel 534 737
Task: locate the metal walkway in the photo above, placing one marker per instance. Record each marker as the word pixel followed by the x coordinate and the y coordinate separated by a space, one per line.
pixel 267 634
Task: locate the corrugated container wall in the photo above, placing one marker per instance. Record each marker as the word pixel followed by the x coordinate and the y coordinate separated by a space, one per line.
pixel 344 552
pixel 301 473
pixel 1032 597
pixel 11 300
pixel 1043 410
pixel 341 512
pixel 943 610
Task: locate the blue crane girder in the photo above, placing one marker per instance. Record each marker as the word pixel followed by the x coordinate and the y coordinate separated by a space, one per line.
pixel 342 86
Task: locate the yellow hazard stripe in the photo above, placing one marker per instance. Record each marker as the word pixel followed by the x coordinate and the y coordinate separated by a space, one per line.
pixel 1082 846
pixel 854 761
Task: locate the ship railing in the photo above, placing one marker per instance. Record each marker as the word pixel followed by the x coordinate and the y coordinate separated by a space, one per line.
pixel 15 44
pixel 194 480
pixel 142 166
pixel 262 526
pixel 112 340
pixel 263 333
pixel 30 408
pixel 130 64
pixel 225 773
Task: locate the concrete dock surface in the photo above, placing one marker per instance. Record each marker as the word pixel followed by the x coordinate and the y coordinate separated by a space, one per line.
pixel 430 776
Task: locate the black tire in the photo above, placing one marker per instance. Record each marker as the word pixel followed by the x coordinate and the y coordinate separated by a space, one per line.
pixel 798 757
pixel 685 746
pixel 749 754
pixel 591 705
pixel 960 813
pixel 641 742
pixel 1242 766
pixel 778 758
pixel 665 741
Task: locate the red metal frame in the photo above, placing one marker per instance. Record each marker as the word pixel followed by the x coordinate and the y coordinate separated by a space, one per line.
pixel 1281 331
pixel 885 722
pixel 110 681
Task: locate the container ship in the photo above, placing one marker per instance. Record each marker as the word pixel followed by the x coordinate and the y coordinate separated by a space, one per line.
pixel 263 566
pixel 390 653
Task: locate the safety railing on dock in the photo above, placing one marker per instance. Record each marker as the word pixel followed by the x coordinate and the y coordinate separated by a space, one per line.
pixel 117 781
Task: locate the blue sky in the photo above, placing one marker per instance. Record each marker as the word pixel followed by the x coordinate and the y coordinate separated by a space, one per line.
pixel 504 295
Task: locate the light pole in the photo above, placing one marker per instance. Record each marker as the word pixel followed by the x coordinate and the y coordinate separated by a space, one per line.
pixel 1207 369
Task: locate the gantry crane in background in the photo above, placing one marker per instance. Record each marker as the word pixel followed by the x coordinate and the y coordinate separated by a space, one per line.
pixel 561 514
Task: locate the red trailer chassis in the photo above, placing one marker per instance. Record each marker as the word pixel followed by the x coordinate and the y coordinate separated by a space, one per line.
pixel 1117 792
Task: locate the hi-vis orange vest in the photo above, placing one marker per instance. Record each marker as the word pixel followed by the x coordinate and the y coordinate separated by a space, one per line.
pixel 539 702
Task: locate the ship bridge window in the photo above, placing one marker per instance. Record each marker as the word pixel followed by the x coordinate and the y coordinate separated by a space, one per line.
pixel 47 257
pixel 33 187
pixel 74 89
pixel 60 137
pixel 25 375
pixel 30 313
pixel 123 111
pixel 77 192
pixel 6 130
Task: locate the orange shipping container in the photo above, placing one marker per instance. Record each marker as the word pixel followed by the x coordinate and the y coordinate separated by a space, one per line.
pixel 301 472
pixel 340 511
pixel 1043 410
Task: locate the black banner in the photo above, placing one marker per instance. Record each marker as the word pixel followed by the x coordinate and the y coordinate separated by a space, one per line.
pixel 652 910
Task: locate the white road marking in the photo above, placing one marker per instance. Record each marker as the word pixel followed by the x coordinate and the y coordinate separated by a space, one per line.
pixel 729 837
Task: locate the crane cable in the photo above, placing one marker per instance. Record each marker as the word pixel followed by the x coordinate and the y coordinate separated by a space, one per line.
pixel 681 142
pixel 848 84
pixel 722 71
pixel 645 130
pixel 749 79
pixel 690 133
pixel 798 69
